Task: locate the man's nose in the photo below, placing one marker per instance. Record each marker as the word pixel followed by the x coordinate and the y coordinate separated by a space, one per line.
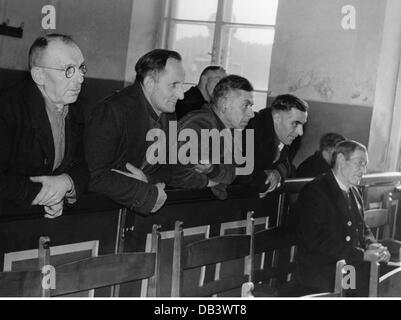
pixel 179 93
pixel 251 114
pixel 78 77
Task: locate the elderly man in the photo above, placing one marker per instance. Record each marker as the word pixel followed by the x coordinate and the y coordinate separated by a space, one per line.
pixel 115 140
pixel 275 129
pixel 198 96
pixel 230 110
pixel 320 161
pixel 41 153
pixel 331 225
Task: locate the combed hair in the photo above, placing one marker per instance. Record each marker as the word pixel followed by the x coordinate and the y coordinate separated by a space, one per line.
pixel 40 44
pixel 346 148
pixel 329 140
pixel 230 83
pixel 154 62
pixel 286 102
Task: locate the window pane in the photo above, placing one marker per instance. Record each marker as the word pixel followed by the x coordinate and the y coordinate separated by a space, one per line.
pixel 248 53
pixel 195 9
pixel 259 99
pixel 194 43
pixel 251 11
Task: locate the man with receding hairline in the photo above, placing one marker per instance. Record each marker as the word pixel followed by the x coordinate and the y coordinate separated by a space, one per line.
pixel 320 161
pixel 201 94
pixel 331 224
pixel 41 127
pixel 275 129
pixel 230 109
pixel 115 139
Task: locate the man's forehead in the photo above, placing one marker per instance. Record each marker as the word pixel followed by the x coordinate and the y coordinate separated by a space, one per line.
pixel 239 94
pixel 359 155
pixel 296 115
pixel 173 69
pixel 62 53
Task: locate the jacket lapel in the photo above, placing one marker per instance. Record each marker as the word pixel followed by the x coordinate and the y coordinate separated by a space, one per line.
pixel 357 200
pixel 337 193
pixel 40 122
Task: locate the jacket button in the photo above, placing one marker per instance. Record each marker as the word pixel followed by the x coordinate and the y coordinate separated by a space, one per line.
pixel 348 238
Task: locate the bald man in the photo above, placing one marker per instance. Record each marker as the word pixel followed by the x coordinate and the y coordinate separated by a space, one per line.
pixel 198 96
pixel 41 151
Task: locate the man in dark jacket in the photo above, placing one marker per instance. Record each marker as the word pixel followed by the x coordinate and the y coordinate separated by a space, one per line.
pixel 331 225
pixel 117 141
pixel 198 96
pixel 222 120
pixel 41 127
pixel 275 129
pixel 320 161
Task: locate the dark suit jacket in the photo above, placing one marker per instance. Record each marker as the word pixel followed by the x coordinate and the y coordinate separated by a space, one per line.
pixel 313 166
pixel 327 232
pixel 27 147
pixel 185 176
pixel 265 150
pixel 116 134
pixel 193 100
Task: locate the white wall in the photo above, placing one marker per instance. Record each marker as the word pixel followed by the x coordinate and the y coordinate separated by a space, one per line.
pixel 315 58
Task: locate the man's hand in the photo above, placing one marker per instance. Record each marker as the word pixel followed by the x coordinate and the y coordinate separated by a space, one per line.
pixel 161 196
pixel 204 167
pixel 272 180
pixel 53 189
pixel 54 211
pixel 212 183
pixel 134 172
pixel 376 252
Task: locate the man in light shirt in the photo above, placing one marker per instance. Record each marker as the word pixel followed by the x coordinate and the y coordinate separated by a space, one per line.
pixel 41 126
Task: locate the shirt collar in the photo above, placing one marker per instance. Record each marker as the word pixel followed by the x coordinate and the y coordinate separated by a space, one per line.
pixel 55 112
pixel 340 184
pixel 152 111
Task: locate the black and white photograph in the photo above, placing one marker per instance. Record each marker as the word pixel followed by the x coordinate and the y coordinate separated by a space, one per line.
pixel 201 155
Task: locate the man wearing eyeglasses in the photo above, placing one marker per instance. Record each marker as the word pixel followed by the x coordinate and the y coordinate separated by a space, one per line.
pixel 41 126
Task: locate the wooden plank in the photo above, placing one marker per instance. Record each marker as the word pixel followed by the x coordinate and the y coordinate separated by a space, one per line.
pixel 103 271
pixel 217 249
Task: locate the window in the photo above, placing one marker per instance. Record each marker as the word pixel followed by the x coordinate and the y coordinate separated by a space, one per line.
pixel 236 34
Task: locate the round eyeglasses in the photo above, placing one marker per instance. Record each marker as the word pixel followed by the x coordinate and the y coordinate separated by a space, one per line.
pixel 69 71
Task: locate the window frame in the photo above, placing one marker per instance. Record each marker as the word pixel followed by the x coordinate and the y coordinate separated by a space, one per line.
pixel 218 50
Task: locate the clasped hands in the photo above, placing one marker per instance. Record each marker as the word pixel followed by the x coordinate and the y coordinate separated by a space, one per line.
pixel 51 196
pixel 377 252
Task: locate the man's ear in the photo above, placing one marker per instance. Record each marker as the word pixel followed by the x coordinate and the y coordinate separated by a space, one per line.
pixel 149 83
pixel 276 117
pixel 327 156
pixel 37 76
pixel 340 159
pixel 223 101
